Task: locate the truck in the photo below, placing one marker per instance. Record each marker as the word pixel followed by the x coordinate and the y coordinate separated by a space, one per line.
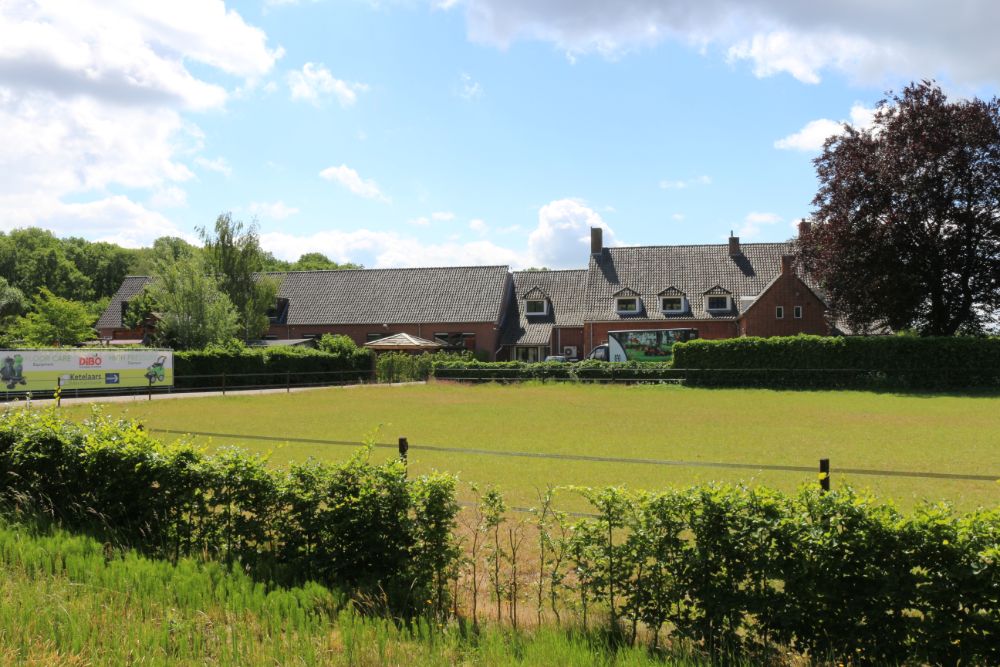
pixel 641 344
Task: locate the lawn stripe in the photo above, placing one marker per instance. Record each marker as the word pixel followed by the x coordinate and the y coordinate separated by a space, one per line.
pixel 598 459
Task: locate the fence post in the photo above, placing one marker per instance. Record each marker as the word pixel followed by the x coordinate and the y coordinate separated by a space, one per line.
pixel 149 389
pixel 223 383
pixel 404 446
pixel 824 475
pixel 288 382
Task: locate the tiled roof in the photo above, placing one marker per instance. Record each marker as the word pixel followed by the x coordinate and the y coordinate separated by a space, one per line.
pixel 395 296
pixel 111 318
pixel 404 341
pixel 694 270
pixel 566 292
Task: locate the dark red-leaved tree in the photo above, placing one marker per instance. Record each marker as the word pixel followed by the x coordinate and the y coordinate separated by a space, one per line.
pixel 906 230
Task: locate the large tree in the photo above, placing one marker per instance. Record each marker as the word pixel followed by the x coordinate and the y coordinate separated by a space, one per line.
pixel 54 321
pixel 193 311
pixel 234 256
pixel 906 230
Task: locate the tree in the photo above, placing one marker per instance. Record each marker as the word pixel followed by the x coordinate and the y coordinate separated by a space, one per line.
pixel 316 261
pixel 33 258
pixel 235 258
pixel 194 311
pixel 54 321
pixel 12 301
pixel 906 229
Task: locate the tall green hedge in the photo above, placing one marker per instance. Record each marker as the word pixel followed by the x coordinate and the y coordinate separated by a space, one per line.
pixel 364 527
pixel 246 367
pixel 889 362
pixel 406 367
pixel 585 371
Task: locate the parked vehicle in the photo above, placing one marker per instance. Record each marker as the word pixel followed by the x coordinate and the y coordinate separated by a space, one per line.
pixel 556 357
pixel 641 344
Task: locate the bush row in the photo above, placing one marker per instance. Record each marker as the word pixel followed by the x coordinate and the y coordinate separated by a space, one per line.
pixel 836 576
pixel 406 367
pixel 359 526
pixel 338 359
pixel 890 362
pixel 587 371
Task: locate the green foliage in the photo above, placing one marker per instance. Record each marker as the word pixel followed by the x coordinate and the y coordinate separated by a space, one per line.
pixel 584 371
pixel 194 312
pixel 406 367
pixel 316 261
pixel 889 362
pixel 234 256
pixel 361 526
pixel 336 344
pixel 140 309
pixel 12 301
pixel 54 320
pixel 277 365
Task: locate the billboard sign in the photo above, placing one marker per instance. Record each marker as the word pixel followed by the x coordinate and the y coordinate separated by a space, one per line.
pixel 646 344
pixel 80 368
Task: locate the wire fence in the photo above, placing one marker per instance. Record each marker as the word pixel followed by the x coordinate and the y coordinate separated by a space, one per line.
pixel 404 447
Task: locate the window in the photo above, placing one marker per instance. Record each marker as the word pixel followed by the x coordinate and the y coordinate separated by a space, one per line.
pixel 718 303
pixel 797 312
pixel 375 336
pixel 536 307
pixel 628 305
pixel 672 304
pixel 779 312
pixel 457 340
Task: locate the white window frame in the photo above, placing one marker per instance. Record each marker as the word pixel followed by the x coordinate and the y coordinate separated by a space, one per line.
pixel 797 312
pixel 679 309
pixel 544 311
pixel 621 311
pixel 779 312
pixel 708 300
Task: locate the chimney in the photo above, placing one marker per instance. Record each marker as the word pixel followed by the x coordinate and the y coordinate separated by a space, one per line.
pixel 804 226
pixel 734 245
pixel 596 241
pixel 786 263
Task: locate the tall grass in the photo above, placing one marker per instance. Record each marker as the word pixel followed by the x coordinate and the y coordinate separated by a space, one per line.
pixel 71 600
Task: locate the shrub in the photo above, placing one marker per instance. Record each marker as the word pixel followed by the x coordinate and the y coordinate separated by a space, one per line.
pixel 248 367
pixel 405 367
pixel 585 371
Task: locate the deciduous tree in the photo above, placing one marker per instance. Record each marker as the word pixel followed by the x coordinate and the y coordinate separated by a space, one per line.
pixel 54 320
pixel 906 228
pixel 194 311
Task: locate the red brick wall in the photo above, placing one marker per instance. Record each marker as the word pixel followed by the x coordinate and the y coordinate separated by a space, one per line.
pixel 788 291
pixel 563 336
pixel 486 333
pixel 596 333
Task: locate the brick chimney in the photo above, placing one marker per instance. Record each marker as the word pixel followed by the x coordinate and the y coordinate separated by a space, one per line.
pixel 596 241
pixel 804 226
pixel 734 245
pixel 786 263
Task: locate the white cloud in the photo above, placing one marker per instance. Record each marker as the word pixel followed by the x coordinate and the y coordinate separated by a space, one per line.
pixel 91 100
pixel 470 88
pixel 677 216
pixel 387 249
pixel 753 222
pixel 315 81
pixel 422 221
pixel 685 183
pixel 274 210
pixel 562 237
pixel 350 179
pixel 443 215
pixel 479 226
pixel 868 41
pixel 811 137
pixel 218 165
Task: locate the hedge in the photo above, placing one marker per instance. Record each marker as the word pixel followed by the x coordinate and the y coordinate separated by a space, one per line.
pixel 585 371
pixel 406 367
pixel 269 366
pixel 363 527
pixel 877 362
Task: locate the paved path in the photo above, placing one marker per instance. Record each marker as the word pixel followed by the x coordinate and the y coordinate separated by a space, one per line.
pixel 128 398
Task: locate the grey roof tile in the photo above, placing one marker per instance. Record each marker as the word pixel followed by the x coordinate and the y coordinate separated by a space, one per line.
pixel 566 292
pixel 111 318
pixel 694 270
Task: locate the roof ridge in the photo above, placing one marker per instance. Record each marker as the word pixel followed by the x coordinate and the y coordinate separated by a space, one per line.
pixel 395 268
pixel 697 245
pixel 550 271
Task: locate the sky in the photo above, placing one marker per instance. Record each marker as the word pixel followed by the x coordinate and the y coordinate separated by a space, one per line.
pixel 452 132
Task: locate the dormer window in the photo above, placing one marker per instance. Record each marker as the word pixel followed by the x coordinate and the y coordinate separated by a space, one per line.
pixel 627 305
pixel 717 303
pixel 536 307
pixel 672 304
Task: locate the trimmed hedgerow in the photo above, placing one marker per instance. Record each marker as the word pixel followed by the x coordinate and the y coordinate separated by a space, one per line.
pixel 360 526
pixel 586 371
pixel 876 362
pixel 406 367
pixel 245 367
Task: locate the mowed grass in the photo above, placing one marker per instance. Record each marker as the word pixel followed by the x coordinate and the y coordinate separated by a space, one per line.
pixel 951 434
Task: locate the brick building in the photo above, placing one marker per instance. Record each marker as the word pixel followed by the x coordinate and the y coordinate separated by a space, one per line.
pixel 722 290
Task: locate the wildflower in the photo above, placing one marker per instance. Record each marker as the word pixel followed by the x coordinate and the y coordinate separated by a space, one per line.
pixel 944 542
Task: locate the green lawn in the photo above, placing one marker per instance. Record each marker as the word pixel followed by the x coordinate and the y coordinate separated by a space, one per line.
pixel 958 434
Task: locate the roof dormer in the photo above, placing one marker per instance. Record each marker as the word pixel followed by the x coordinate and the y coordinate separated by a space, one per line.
pixel 672 301
pixel 536 302
pixel 627 302
pixel 718 299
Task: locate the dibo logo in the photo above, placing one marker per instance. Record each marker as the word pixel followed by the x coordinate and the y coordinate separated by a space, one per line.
pixel 90 361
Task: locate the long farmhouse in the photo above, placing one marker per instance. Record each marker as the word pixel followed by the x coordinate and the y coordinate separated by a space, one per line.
pixel 722 290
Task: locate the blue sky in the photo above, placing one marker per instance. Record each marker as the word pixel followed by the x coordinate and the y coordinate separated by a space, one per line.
pixel 468 131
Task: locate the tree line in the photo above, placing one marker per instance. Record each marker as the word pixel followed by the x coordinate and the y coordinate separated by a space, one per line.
pixel 53 290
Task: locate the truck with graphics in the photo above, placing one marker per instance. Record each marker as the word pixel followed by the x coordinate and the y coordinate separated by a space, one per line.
pixel 641 344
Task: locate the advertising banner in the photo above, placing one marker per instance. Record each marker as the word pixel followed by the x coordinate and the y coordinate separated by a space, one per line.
pixel 79 368
pixel 646 344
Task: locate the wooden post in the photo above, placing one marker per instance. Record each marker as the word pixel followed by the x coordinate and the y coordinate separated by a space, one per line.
pixel 288 382
pixel 149 391
pixel 824 474
pixel 404 446
pixel 223 383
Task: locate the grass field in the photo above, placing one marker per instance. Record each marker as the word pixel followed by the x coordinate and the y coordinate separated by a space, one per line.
pixel 956 434
pixel 69 600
